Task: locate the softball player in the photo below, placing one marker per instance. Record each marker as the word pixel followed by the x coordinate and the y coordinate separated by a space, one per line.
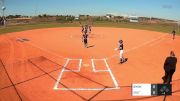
pixel 89 28
pixel 85 40
pixel 173 33
pixel 121 51
pixel 82 30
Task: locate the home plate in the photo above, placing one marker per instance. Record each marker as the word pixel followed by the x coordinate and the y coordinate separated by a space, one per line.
pixel 86 65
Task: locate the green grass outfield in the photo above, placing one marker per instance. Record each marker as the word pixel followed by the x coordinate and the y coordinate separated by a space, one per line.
pixel 152 27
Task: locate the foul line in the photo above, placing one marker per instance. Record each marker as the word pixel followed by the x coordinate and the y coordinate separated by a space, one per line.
pixel 45 50
pixel 128 50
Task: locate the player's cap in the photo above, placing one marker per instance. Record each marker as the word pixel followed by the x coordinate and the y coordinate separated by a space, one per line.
pixel 172 53
pixel 120 41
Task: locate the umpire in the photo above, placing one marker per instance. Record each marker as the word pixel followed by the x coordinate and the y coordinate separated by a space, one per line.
pixel 173 33
pixel 169 67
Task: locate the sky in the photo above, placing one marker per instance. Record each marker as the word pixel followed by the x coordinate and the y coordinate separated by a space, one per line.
pixel 150 8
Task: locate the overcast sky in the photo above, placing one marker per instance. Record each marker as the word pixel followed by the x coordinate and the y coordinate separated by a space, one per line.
pixel 151 8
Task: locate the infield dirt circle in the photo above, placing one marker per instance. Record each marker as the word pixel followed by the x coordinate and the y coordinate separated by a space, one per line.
pixel 35 65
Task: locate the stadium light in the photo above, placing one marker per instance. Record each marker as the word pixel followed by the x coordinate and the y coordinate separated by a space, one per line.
pixel 2 4
pixel 178 23
pixel 3 8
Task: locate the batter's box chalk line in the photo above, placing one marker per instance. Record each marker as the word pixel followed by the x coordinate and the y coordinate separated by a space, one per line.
pixel 116 86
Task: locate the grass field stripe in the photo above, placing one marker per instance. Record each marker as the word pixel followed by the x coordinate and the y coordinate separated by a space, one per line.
pixel 111 74
pixel 60 76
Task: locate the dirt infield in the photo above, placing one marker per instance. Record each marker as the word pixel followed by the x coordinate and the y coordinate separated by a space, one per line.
pixel 53 65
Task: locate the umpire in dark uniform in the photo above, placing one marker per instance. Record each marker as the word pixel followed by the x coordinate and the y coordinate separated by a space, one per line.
pixel 173 33
pixel 169 67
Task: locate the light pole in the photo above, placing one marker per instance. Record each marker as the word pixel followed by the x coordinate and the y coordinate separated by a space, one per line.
pixel 3 16
pixel 178 23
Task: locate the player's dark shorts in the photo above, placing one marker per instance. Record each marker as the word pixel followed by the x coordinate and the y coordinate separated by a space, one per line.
pixel 85 41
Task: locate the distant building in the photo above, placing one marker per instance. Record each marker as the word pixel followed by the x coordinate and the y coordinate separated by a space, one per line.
pixel 109 16
pixel 84 17
pixel 133 18
pixel 76 18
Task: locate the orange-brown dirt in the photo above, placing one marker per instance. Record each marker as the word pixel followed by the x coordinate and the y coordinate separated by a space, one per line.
pixel 33 66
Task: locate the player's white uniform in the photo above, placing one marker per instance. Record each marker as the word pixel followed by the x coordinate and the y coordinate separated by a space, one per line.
pixel 121 51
